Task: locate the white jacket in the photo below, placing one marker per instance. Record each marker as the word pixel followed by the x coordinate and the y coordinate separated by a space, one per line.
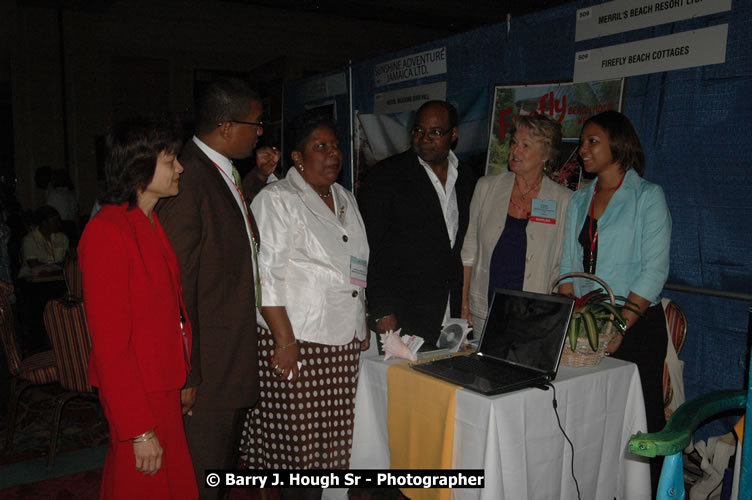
pixel 305 259
pixel 488 214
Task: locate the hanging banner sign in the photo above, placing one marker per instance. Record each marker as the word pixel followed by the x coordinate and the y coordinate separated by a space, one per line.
pixel 654 55
pixel 321 88
pixel 430 62
pixel 626 15
pixel 408 99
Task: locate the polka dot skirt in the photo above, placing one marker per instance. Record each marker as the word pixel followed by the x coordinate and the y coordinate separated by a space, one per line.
pixel 306 424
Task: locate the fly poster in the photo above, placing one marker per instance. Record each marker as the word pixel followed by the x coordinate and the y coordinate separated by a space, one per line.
pixel 568 103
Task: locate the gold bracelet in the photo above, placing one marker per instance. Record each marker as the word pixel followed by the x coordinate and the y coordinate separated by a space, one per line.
pixel 285 346
pixel 142 438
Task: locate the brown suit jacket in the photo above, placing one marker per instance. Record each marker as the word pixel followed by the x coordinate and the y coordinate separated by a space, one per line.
pixel 206 227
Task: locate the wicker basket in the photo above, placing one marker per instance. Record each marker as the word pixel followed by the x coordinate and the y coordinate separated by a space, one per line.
pixel 584 354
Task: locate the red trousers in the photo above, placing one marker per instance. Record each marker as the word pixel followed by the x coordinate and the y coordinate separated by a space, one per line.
pixel 174 480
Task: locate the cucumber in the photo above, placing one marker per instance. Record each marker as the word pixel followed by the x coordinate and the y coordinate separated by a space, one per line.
pixel 574 325
pixel 591 328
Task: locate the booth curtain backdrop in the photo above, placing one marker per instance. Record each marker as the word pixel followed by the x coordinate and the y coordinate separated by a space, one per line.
pixel 696 130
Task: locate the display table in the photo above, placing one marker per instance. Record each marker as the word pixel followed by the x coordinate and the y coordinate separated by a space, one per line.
pixel 515 438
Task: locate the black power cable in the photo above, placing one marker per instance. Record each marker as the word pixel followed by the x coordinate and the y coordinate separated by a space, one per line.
pixel 556 412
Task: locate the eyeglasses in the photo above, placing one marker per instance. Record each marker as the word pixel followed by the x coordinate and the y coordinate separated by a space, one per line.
pixel 433 133
pixel 255 124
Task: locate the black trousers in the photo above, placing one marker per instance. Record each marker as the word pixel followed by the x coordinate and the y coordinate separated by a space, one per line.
pixel 645 345
pixel 213 435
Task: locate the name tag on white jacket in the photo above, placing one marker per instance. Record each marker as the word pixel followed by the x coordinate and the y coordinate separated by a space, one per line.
pixel 358 271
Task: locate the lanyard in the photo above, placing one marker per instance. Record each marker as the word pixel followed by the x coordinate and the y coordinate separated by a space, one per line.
pixel 50 247
pixel 242 202
pixel 594 237
pixel 254 247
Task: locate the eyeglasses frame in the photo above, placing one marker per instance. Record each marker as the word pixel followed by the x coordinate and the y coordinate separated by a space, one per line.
pixel 255 124
pixel 415 132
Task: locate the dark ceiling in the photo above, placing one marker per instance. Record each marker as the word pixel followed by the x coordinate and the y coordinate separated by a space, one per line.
pixel 451 16
pixel 447 15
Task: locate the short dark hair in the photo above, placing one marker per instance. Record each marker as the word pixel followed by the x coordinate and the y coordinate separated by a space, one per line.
pixel 626 148
pixel 60 178
pixel 133 147
pixel 43 176
pixel 303 125
pixel 223 99
pixel 451 111
pixel 44 213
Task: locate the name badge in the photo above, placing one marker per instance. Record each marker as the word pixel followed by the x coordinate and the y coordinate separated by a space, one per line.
pixel 358 271
pixel 543 211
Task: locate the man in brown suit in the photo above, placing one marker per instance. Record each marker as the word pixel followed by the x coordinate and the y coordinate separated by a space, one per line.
pixel 212 233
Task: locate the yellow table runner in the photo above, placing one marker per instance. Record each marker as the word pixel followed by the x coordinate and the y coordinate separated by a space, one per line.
pixel 421 425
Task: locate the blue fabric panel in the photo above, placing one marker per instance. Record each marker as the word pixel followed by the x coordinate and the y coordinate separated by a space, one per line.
pixel 696 130
pixel 714 353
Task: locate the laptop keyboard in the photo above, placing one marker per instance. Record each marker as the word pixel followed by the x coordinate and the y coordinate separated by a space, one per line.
pixel 488 370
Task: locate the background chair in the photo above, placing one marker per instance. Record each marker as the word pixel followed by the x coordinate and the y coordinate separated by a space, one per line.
pixel 73 279
pixel 66 325
pixel 38 369
pixel 677 327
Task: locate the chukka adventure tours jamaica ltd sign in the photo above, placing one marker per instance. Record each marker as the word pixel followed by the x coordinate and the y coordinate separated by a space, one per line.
pixel 428 63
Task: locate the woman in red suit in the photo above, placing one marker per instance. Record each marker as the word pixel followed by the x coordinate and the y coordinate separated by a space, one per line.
pixel 140 340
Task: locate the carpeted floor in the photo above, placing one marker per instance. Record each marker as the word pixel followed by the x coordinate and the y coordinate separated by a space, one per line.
pixel 82 443
pixel 85 486
pixel 82 425
pixel 80 486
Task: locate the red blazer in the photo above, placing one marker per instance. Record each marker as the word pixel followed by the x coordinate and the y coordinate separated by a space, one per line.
pixel 133 300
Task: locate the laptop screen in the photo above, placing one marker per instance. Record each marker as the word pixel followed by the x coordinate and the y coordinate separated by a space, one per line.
pixel 526 328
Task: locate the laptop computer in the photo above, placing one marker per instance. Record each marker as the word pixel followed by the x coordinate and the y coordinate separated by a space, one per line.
pixel 520 345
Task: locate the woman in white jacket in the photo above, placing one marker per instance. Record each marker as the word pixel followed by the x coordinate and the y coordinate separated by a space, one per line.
pixel 514 238
pixel 312 264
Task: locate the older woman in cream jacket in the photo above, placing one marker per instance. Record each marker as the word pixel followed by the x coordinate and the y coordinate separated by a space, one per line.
pixel 514 238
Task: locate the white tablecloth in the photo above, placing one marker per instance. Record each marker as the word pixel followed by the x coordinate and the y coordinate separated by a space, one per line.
pixel 515 438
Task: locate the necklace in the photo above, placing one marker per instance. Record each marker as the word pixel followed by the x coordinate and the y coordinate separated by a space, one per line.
pixel 521 209
pixel 535 186
pixel 327 194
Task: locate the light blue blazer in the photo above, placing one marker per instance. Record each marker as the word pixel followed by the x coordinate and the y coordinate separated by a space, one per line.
pixel 634 237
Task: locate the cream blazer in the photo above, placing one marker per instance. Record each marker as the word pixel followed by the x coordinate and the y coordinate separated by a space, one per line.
pixel 488 213
pixel 305 259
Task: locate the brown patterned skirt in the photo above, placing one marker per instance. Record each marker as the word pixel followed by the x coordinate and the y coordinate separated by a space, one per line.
pixel 306 424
